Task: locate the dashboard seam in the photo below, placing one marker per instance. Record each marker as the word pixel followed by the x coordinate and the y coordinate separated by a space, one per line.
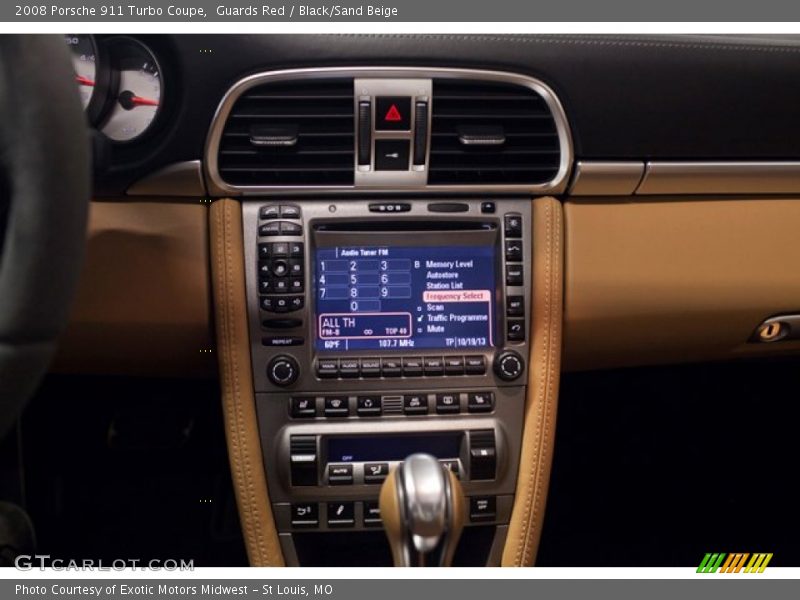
pixel 591 42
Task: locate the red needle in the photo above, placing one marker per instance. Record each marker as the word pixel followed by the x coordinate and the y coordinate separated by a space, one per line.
pixel 84 80
pixel 139 101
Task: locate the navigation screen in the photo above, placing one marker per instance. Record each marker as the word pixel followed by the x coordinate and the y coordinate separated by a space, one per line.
pixel 404 297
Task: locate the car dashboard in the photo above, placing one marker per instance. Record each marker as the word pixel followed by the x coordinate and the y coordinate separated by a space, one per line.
pixel 384 245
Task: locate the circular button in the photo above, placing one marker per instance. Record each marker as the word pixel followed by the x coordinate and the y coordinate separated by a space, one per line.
pixel 508 365
pixel 283 370
pixel 279 268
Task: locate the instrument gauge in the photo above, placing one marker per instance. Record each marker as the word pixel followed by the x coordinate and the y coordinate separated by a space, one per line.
pixel 84 62
pixel 138 90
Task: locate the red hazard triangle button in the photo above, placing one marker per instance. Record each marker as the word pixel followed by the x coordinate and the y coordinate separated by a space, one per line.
pixel 393 114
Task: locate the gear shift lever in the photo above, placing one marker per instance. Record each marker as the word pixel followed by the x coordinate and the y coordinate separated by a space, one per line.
pixel 423 511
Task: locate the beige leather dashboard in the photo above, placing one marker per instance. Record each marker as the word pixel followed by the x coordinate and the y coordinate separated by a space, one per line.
pixel 666 280
pixel 658 280
pixel 144 302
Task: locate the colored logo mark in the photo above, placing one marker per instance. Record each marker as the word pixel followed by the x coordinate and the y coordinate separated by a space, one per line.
pixel 734 563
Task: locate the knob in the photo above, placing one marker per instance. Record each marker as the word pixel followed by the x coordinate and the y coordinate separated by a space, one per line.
pixel 508 365
pixel 283 370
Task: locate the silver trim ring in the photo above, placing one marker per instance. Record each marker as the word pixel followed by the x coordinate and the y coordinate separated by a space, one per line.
pixel 218 187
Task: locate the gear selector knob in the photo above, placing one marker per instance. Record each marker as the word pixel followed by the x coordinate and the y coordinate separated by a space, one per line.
pixel 423 510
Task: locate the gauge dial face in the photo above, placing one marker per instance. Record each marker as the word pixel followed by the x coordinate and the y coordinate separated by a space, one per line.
pixel 138 91
pixel 84 61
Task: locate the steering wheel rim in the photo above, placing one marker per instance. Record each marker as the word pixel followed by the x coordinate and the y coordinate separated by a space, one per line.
pixel 45 164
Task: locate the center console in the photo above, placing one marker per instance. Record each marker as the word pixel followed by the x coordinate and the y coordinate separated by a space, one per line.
pixel 380 328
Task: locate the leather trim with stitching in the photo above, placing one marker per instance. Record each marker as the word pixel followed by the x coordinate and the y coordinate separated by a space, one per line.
pixel 238 397
pixel 543 380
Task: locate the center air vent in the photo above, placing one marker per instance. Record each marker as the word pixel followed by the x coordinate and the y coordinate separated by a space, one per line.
pixel 292 133
pixel 495 133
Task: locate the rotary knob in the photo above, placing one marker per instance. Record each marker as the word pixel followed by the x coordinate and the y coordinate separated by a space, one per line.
pixel 508 365
pixel 283 370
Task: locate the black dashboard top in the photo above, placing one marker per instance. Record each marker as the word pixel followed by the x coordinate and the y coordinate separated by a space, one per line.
pixel 625 97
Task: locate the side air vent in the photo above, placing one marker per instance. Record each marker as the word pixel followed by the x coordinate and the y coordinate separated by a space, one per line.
pixel 294 133
pixel 491 133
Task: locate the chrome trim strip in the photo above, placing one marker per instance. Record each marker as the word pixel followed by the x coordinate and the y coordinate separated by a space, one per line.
pixel 177 179
pixel 606 178
pixel 218 187
pixel 720 178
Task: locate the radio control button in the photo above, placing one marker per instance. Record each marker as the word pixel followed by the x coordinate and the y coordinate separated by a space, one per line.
pixel 337 406
pixel 452 465
pixel 415 404
pixel 275 303
pixel 391 367
pixel 340 474
pixel 296 302
pixel 447 403
pixel 513 225
pixel 434 365
pixel 514 250
pixel 480 402
pixel 341 514
pixel 264 285
pixel 348 367
pixel 305 514
pixel 269 212
pixel 283 323
pixel 280 304
pixel 368 406
pixel 280 268
pixel 515 330
pixel 269 229
pixel 303 408
pixel 280 248
pixel 474 365
pixel 290 211
pixel 375 472
pixel 508 365
pixel 453 365
pixel 515 306
pixel 370 367
pixel 295 267
pixel 482 508
pixel 514 275
pixel 280 286
pixel 283 370
pixel 295 249
pixel 288 228
pixel 264 251
pixel 372 514
pixel 277 341
pixel 264 268
pixel 327 368
pixel 412 366
pixel 296 285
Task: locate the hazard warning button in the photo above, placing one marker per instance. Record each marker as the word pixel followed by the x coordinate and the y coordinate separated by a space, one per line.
pixel 393 113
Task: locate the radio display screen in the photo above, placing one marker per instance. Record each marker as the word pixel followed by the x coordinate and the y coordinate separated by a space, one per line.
pixel 405 297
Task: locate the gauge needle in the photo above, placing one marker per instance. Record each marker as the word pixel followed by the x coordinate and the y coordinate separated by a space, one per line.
pixel 84 80
pixel 128 100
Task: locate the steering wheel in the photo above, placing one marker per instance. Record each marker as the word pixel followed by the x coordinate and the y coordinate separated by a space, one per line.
pixel 45 179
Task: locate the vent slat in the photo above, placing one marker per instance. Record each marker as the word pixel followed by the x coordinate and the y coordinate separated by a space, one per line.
pixel 530 154
pixel 319 111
